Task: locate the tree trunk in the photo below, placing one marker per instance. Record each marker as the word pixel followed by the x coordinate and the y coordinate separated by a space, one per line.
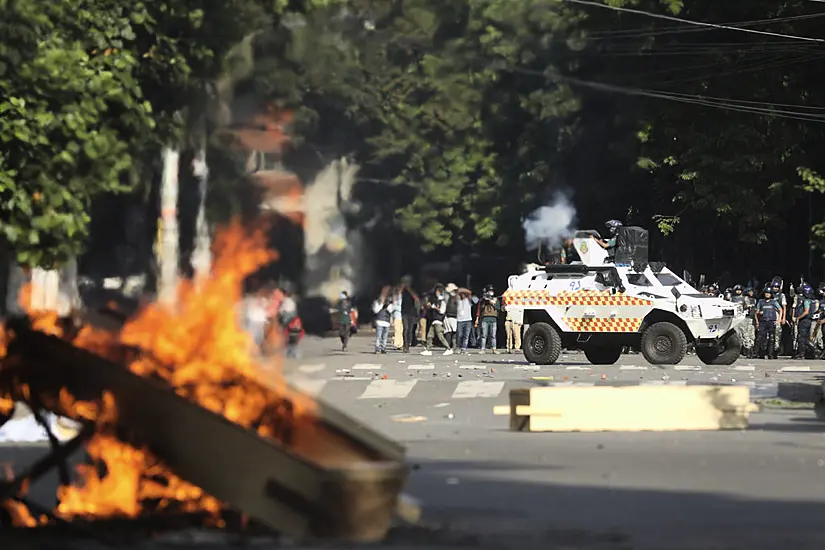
pixel 202 256
pixel 168 246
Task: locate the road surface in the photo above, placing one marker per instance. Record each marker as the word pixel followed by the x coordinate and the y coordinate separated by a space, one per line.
pixel 486 487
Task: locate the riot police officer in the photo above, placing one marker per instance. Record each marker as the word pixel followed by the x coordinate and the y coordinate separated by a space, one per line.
pixel 750 324
pixel 744 330
pixel 802 317
pixel 767 315
pixel 776 286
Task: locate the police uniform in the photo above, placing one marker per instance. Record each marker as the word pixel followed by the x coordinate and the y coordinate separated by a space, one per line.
pixel 803 325
pixel 767 314
pixel 750 324
pixel 744 330
pixel 782 300
pixel 817 318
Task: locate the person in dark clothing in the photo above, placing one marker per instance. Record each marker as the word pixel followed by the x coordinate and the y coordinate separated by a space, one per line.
pixel 767 314
pixel 409 312
pixel 344 320
pixel 803 318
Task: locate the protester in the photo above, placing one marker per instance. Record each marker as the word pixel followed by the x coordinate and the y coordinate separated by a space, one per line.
pixel 437 305
pixel 513 330
pixel 397 319
pixel 345 321
pixel 487 313
pixel 450 315
pixel 381 307
pixel 464 319
pixel 409 312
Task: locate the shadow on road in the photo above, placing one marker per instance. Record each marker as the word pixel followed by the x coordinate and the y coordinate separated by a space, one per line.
pixel 532 514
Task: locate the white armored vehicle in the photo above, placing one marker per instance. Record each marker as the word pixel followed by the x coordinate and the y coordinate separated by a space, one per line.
pixel 606 302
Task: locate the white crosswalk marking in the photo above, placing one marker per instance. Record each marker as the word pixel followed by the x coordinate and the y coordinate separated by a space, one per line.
pixel 745 368
pixel 366 366
pixel 477 388
pixel 311 368
pixel 388 389
pixel 688 367
pixel 311 386
pixel 578 368
pixel 795 369
pixel 633 367
pixel 472 367
pixel 428 366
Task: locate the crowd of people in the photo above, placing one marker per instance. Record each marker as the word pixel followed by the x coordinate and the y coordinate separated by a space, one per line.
pixel 776 324
pixel 448 316
pixel 271 317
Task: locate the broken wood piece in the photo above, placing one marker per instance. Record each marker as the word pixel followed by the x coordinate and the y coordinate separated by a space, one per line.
pixel 337 479
pixel 629 408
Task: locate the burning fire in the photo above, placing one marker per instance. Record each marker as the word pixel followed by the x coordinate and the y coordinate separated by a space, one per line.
pixel 199 349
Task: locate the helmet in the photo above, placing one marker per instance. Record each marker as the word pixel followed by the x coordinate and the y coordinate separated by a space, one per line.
pixel 807 291
pixel 776 282
pixel 489 289
pixel 613 226
pixel 768 290
pixel 821 288
pixel 749 290
pixel 738 288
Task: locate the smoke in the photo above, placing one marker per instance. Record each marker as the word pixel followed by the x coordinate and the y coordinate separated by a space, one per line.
pixel 549 224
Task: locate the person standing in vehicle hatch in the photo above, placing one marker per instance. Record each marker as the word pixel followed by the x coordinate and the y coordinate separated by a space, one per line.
pixel 802 316
pixel 610 244
pixel 767 315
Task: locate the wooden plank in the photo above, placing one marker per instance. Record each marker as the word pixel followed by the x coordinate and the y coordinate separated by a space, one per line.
pixel 630 408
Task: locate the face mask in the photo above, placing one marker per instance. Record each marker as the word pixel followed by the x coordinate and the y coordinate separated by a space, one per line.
pixel 343 296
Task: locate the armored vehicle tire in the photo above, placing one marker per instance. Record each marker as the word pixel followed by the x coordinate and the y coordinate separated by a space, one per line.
pixel 664 343
pixel 542 344
pixel 603 355
pixel 712 356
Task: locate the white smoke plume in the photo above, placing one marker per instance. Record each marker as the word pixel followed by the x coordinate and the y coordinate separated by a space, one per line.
pixel 550 224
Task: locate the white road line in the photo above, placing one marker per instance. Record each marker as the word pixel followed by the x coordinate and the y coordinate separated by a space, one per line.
pixel 664 383
pixel 477 388
pixel 311 368
pixel 388 389
pixel 356 378
pixel 745 368
pixel 366 366
pixel 527 367
pixel 588 384
pixel 633 367
pixel 428 366
pixel 472 367
pixel 309 385
pixel 578 368
pixel 688 367
pixel 795 369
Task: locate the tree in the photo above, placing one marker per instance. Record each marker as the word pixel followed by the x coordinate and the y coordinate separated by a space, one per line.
pixel 66 107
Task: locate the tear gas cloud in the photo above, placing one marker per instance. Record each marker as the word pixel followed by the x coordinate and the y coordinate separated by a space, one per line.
pixel 550 224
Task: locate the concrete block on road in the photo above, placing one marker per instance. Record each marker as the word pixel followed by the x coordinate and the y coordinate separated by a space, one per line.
pixel 800 392
pixel 630 408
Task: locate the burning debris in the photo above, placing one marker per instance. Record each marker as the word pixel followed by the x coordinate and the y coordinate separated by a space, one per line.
pixel 178 416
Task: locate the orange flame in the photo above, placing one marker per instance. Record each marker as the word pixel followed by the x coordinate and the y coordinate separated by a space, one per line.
pixel 201 350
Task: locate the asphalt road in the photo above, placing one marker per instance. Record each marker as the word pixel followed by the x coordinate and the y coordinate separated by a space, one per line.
pixel 486 487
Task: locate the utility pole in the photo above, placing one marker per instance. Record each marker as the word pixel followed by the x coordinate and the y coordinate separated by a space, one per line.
pixel 168 245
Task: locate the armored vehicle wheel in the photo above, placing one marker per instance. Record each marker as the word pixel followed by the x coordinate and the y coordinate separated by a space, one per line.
pixel 603 355
pixel 542 344
pixel 711 355
pixel 664 343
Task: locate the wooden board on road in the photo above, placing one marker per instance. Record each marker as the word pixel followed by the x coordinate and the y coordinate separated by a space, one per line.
pixel 629 408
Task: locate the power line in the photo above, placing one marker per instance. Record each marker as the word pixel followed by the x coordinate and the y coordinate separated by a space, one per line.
pixel 690 22
pixel 681 29
pixel 714 102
